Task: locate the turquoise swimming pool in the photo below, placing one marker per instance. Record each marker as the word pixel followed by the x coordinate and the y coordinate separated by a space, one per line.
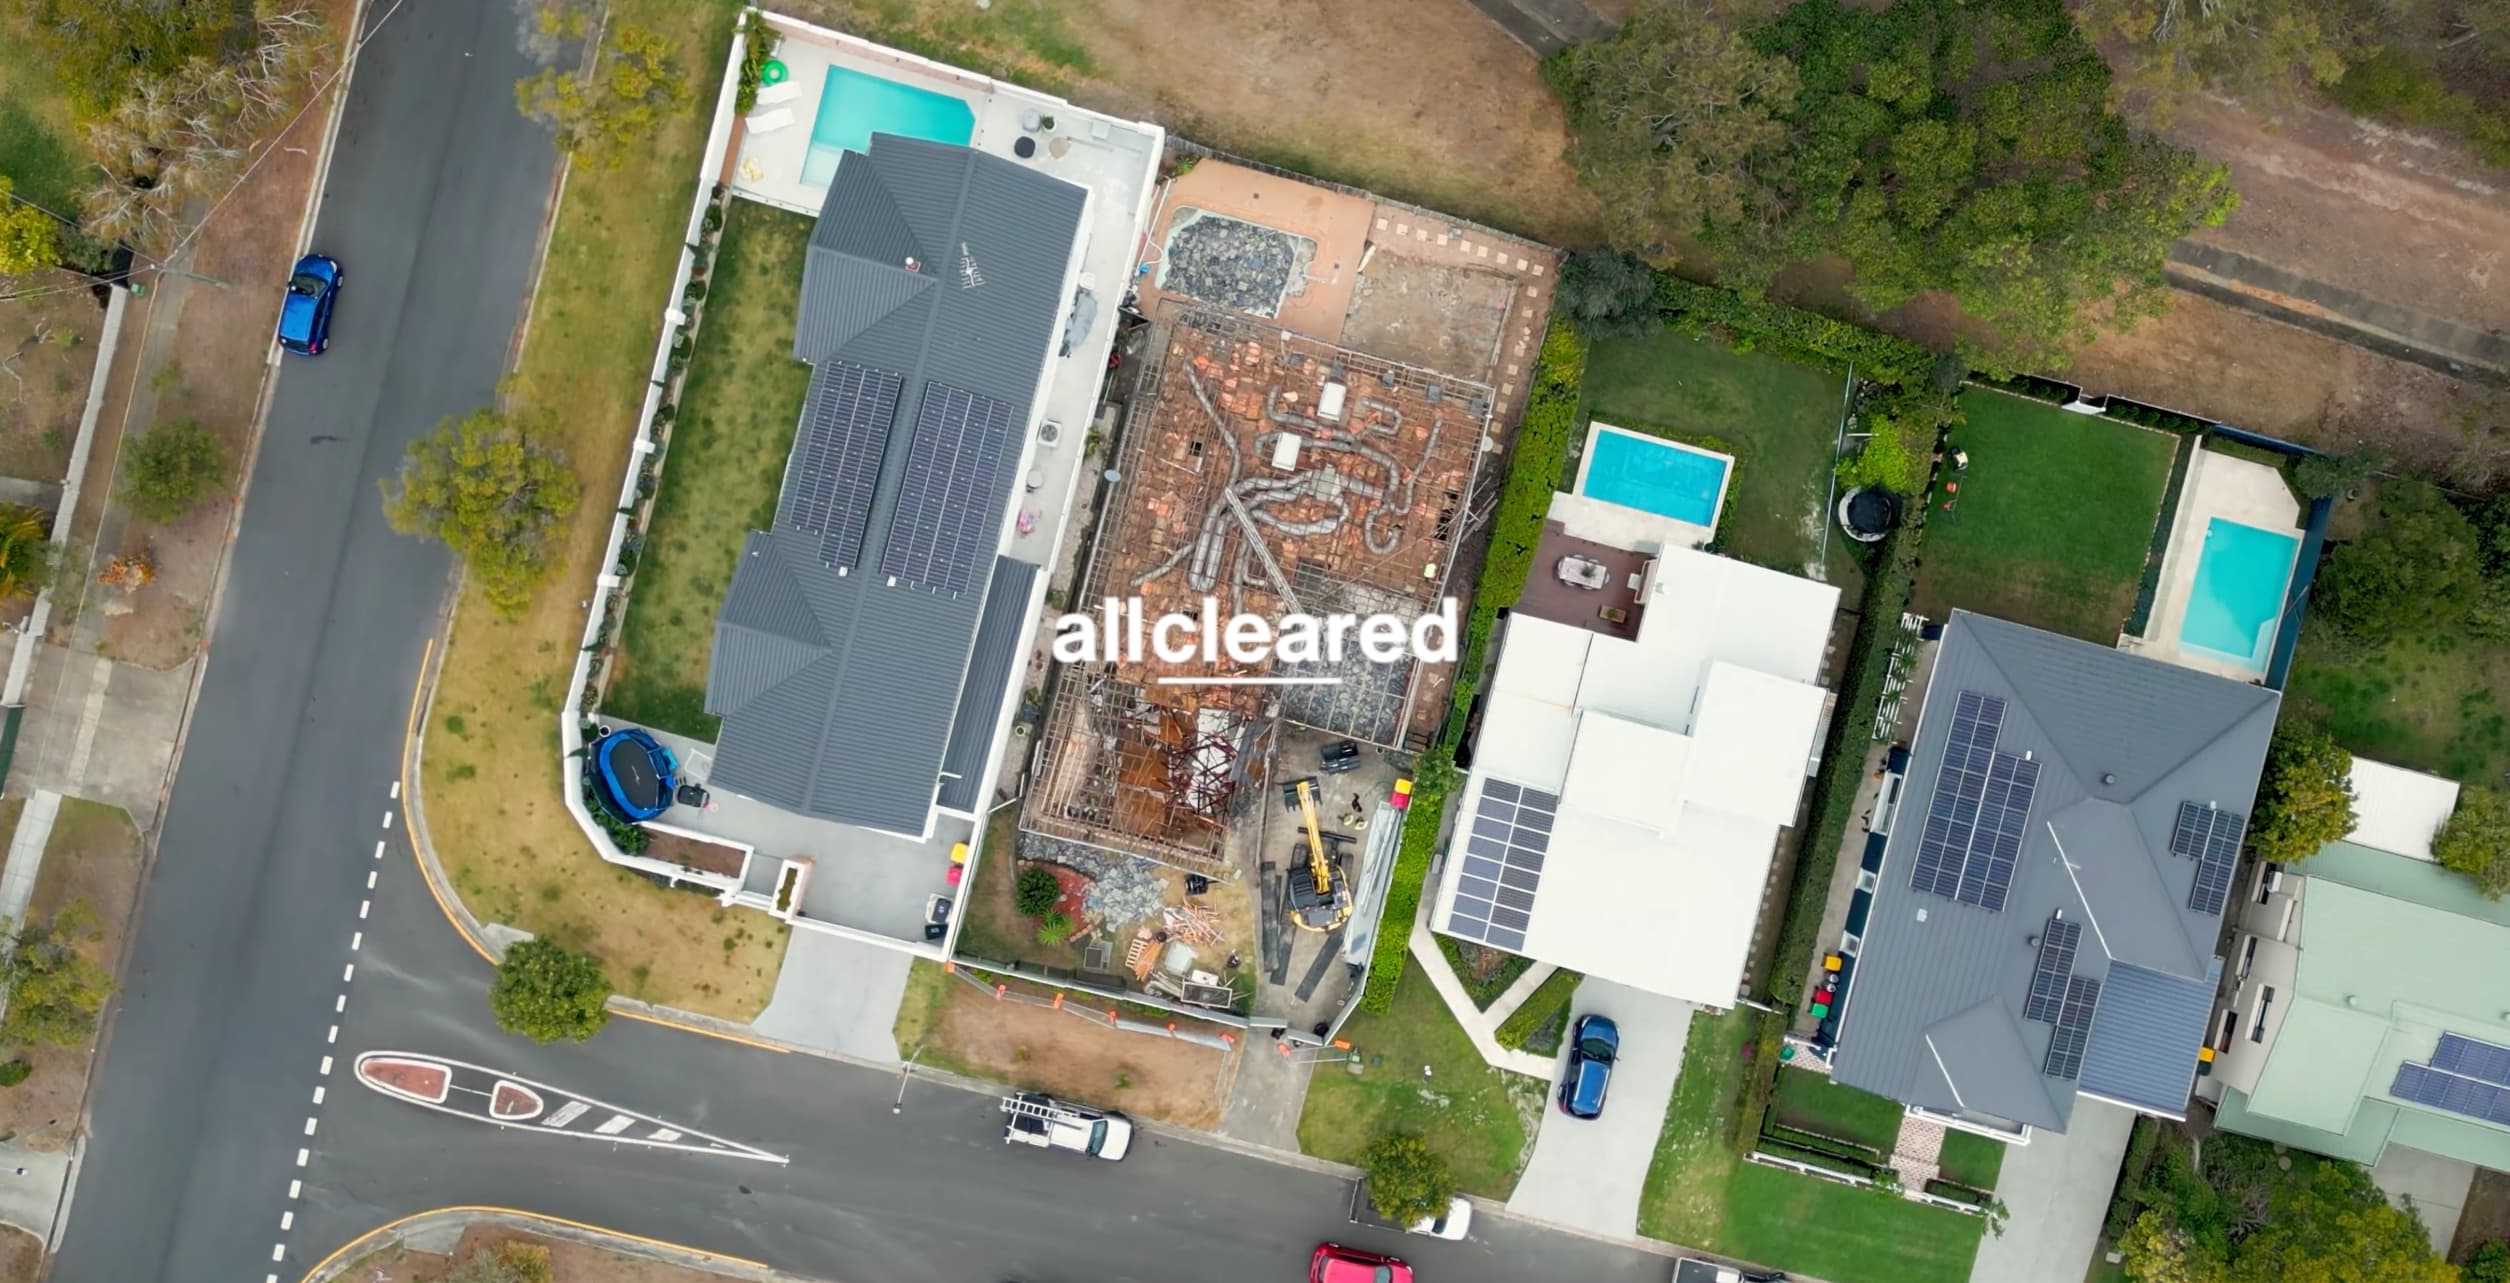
pixel 2241 577
pixel 854 105
pixel 1667 478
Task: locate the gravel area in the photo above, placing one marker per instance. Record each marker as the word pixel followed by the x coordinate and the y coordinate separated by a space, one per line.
pixel 1122 889
pixel 1233 263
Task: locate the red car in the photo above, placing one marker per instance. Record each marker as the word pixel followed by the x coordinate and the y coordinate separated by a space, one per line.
pixel 1335 1263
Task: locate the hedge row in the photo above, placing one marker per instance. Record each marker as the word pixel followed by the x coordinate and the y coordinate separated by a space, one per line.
pixel 1960 1193
pixel 1816 1158
pixel 1543 438
pixel 1547 1006
pixel 1801 1139
pixel 1806 336
pixel 2153 416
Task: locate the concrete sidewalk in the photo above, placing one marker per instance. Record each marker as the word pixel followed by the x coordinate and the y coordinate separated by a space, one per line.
pixel 1479 1025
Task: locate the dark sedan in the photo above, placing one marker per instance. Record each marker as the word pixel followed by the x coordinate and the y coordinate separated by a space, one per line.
pixel 305 315
pixel 1594 1042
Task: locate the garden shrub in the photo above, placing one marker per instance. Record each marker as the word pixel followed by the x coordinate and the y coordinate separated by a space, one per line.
pixel 1547 1005
pixel 15 1072
pixel 1054 928
pixel 1809 337
pixel 1816 1158
pixel 1035 893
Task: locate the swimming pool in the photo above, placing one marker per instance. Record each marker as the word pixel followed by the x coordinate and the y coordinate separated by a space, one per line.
pixel 854 105
pixel 2241 577
pixel 1667 478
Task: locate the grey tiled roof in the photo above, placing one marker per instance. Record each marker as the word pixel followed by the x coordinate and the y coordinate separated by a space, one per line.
pixel 838 691
pixel 1934 1012
pixel 989 673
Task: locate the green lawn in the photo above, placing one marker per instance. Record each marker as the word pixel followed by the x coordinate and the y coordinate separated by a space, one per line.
pixel 2439 703
pixel 1844 1234
pixel 2052 520
pixel 37 151
pixel 720 475
pixel 1482 1119
pixel 1780 420
pixel 1972 1160
pixel 1685 1197
pixel 1811 1102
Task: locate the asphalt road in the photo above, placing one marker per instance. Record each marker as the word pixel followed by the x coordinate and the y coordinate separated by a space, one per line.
pixel 222 1152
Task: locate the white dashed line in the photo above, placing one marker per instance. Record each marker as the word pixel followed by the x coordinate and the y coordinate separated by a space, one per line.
pixel 318 1095
pixel 378 848
pixel 287 1221
pixel 370 879
pixel 309 1125
pixel 278 1251
pixel 326 1066
pixel 342 1004
pixel 335 1029
pixel 357 940
pixel 362 907
pixel 347 974
pixel 396 790
pixel 387 819
pixel 304 1156
pixel 295 1188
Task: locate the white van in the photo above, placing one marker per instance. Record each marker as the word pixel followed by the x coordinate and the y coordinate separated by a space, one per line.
pixel 1035 1118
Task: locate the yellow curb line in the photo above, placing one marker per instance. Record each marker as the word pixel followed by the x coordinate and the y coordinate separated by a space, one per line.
pixel 491 1210
pixel 409 795
pixel 701 1030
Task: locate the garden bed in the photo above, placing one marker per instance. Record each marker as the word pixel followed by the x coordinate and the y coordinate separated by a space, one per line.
pixel 691 852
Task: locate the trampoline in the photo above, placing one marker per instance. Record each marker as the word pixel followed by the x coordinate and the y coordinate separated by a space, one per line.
pixel 636 775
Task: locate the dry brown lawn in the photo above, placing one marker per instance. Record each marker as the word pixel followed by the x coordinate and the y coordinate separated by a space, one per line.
pixel 493 810
pixel 569 1261
pixel 946 1022
pixel 93 856
pixel 21 1255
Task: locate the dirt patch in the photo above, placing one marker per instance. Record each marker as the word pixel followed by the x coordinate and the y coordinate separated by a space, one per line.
pixel 569 1261
pixel 2486 1215
pixel 21 1255
pixel 93 856
pixel 2209 359
pixel 47 355
pixel 695 853
pixel 1436 315
pixel 1071 1052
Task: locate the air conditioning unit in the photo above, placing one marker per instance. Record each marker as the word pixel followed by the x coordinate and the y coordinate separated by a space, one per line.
pixel 2273 879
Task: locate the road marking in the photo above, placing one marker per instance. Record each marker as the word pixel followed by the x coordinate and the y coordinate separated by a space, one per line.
pixel 617 1124
pixel 567 1113
pixel 326 1066
pixel 295 1188
pixel 396 790
pixel 387 819
pixel 370 878
pixel 278 1251
pixel 318 1095
pixel 664 1134
pixel 309 1125
pixel 287 1221
pixel 341 1005
pixel 347 974
pixel 357 939
pixel 304 1156
pixel 378 848
pixel 335 1030
pixel 362 907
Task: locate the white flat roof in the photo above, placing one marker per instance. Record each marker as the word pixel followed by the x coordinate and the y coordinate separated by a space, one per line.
pixel 2398 810
pixel 1676 757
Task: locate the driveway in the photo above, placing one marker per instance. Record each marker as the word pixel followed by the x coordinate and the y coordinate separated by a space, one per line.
pixel 2057 1189
pixel 2434 1186
pixel 1588 1175
pixel 838 994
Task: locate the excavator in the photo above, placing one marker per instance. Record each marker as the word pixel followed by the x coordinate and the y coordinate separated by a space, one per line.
pixel 1320 897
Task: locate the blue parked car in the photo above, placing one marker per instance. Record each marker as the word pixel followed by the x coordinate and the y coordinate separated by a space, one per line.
pixel 1594 1041
pixel 634 776
pixel 305 316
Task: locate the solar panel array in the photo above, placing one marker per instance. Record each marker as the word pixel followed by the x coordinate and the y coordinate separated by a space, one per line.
pixel 2055 968
pixel 958 468
pixel 1973 834
pixel 2211 837
pixel 2456 1093
pixel 1503 864
pixel 2074 1029
pixel 2471 1059
pixel 845 433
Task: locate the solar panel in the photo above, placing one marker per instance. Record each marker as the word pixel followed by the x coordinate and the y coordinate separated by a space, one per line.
pixel 1503 865
pixel 2473 1059
pixel 1960 786
pixel 2214 865
pixel 2455 1093
pixel 958 468
pixel 2074 1029
pixel 836 465
pixel 2196 823
pixel 1996 844
pixel 2055 968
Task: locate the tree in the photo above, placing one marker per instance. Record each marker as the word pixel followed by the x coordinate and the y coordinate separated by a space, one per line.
pixel 97 49
pixel 2492 535
pixel 2489 1263
pixel 2261 51
pixel 632 89
pixel 1608 293
pixel 2157 1251
pixel 54 989
pixel 25 550
pixel 169 469
pixel 2475 839
pixel 1407 1180
pixel 1670 122
pixel 2304 797
pixel 547 993
pixel 494 490
pixel 1035 893
pixel 2417 568
pixel 2333 476
pixel 2338 1228
pixel 30 239
pixel 186 134
pixel 508 1263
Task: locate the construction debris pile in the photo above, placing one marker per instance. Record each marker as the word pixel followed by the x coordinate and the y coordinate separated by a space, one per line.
pixel 1122 889
pixel 1236 264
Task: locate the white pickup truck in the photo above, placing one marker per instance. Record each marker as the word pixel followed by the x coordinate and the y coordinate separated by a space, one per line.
pixel 1035 1118
pixel 1450 1225
pixel 1693 1270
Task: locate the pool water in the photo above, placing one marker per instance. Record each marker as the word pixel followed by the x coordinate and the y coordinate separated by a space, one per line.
pixel 2241 577
pixel 1663 477
pixel 854 105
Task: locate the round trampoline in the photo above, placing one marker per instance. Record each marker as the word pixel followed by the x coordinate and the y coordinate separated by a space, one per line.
pixel 1867 514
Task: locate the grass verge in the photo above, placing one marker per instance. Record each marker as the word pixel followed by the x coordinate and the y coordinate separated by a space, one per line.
pixel 1482 1119
pixel 1684 1200
pixel 2052 520
pixel 493 811
pixel 738 410
pixel 1779 419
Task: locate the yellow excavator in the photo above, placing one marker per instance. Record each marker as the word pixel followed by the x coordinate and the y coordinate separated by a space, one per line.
pixel 1320 897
